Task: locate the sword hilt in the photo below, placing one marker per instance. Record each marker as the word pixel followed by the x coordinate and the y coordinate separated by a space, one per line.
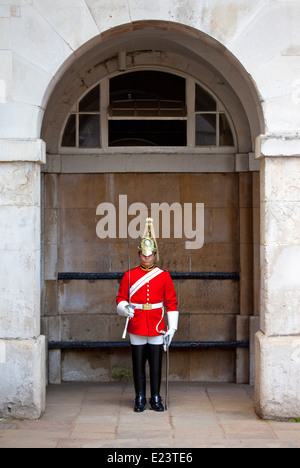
pixel 166 343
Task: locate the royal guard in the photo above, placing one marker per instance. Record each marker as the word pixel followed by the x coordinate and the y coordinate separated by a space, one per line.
pixel 146 292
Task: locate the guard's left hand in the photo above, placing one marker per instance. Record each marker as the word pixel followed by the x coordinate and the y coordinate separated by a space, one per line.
pixel 168 337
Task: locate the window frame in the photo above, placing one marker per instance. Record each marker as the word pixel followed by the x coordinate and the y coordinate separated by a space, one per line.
pixel 190 118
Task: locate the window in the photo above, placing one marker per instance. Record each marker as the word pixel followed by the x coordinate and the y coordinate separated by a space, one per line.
pixel 83 126
pixel 147 133
pixel 212 127
pixel 147 109
pixel 147 94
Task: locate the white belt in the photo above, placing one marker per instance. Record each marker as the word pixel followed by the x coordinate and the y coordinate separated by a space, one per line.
pixel 148 306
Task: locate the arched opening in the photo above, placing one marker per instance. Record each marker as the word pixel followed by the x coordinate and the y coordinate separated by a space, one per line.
pixel 109 141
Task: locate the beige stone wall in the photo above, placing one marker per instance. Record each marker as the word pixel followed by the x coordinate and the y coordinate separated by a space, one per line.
pixel 22 349
pixel 210 310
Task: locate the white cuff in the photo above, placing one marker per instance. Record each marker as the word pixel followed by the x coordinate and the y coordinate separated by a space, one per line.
pixel 173 318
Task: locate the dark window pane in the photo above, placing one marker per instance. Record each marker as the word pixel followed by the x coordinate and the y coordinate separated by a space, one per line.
pixel 226 137
pixel 89 131
pixel 69 137
pixel 91 101
pixel 206 130
pixel 147 93
pixel 204 102
pixel 147 133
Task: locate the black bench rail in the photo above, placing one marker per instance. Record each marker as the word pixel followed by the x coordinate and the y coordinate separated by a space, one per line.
pixel 174 275
pixel 125 344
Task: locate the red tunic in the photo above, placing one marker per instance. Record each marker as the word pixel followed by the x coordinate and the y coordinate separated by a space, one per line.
pixel 158 289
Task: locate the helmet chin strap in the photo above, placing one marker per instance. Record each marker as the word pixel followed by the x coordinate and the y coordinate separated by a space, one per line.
pixel 148 267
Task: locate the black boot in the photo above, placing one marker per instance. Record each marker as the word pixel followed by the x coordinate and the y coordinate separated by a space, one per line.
pixel 155 361
pixel 139 359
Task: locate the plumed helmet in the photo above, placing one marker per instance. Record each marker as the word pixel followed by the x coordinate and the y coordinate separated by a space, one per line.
pixel 148 243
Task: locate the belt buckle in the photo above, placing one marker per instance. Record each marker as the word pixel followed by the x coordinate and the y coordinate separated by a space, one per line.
pixel 147 306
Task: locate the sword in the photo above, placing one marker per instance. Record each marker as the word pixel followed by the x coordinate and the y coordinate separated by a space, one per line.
pixel 125 329
pixel 128 318
pixel 166 348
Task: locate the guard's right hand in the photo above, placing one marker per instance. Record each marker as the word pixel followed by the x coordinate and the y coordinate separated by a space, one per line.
pixel 125 310
pixel 130 311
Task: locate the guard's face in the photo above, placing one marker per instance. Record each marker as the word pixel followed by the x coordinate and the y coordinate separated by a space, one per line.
pixel 147 260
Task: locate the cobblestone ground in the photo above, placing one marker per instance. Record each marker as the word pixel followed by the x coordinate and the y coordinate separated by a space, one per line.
pixel 101 416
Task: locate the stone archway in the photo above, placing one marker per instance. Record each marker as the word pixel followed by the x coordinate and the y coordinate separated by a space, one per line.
pixel 174 51
pixel 189 51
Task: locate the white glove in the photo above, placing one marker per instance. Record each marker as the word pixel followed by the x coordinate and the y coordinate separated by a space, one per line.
pixel 125 310
pixel 173 326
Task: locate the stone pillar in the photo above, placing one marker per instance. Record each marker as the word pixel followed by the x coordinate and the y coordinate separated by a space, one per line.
pixel 277 373
pixel 22 349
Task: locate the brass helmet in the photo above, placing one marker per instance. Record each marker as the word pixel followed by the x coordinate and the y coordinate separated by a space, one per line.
pixel 147 246
pixel 148 243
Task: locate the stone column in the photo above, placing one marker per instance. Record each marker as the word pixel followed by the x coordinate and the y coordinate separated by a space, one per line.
pixel 22 349
pixel 277 373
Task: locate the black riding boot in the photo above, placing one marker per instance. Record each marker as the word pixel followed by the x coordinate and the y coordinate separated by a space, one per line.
pixel 155 361
pixel 139 359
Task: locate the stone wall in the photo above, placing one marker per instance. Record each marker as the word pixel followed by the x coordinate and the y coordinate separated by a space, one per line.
pixel 22 349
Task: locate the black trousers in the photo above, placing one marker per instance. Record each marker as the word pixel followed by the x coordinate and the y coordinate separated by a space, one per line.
pixel 140 355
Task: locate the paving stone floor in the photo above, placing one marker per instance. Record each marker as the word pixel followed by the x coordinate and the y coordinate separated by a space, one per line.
pixel 99 415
